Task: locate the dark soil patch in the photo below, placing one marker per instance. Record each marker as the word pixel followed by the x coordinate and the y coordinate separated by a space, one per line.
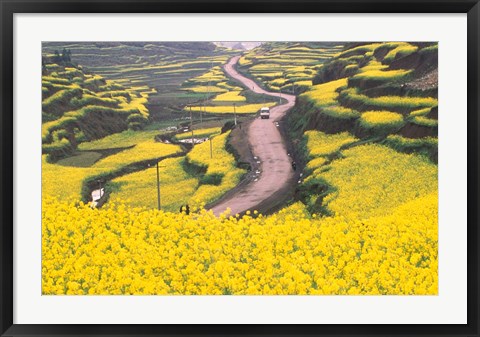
pixel 89 158
pixel 80 159
pixel 422 62
pixel 433 113
pixel 411 130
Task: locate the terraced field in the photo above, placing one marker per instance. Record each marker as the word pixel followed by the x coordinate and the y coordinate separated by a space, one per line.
pixel 74 177
pixel 287 67
pixel 78 107
pixel 372 91
pixel 162 66
pixel 197 179
pixel 224 96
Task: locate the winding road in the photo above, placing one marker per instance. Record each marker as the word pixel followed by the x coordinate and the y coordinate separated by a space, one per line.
pixel 267 145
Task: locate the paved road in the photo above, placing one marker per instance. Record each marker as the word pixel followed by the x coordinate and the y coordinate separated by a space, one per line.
pixel 266 143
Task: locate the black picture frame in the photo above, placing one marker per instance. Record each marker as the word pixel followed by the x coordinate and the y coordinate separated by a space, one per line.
pixel 8 8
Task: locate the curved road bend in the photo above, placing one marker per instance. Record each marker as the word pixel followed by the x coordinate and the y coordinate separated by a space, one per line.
pixel 266 143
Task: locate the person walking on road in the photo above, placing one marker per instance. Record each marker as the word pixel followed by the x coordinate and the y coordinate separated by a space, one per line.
pixel 294 166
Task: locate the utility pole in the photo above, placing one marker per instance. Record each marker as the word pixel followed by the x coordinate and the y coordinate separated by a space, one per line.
pixel 191 123
pixel 208 94
pixel 211 148
pixel 205 108
pixel 235 113
pixel 158 185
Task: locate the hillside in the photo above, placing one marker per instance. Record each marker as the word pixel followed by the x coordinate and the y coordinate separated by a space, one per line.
pixel 93 124
pixel 162 66
pixel 286 66
pixel 78 106
pixel 381 91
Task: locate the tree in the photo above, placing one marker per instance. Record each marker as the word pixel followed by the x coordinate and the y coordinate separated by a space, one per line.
pixel 57 58
pixel 66 55
pixel 44 66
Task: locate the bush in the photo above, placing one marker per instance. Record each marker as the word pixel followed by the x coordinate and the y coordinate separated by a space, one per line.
pixel 137 118
pixel 211 179
pixel 57 150
pixel 424 146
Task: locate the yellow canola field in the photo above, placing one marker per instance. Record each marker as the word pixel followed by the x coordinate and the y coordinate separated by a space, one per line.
pixel 241 109
pixel 139 189
pixel 372 180
pixel 322 144
pixel 147 150
pixel 221 164
pixel 325 94
pixel 200 133
pixel 231 96
pixel 63 182
pixel 382 238
pixel 206 89
pixel 381 118
pixel 383 74
pixel 118 250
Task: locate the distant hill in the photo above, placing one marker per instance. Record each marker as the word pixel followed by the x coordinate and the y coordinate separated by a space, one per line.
pixel 239 45
pixel 104 54
pixel 154 64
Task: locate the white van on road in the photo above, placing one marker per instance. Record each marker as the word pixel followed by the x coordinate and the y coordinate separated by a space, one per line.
pixel 265 113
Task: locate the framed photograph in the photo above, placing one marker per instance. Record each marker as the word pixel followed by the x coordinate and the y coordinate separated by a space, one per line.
pixel 239 168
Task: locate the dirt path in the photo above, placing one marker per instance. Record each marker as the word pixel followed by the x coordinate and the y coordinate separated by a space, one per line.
pixel 268 146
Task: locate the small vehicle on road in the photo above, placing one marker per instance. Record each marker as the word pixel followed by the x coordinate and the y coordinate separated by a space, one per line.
pixel 265 113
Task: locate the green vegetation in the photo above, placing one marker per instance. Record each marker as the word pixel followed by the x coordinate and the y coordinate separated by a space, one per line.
pixel 351 97
pixel 196 179
pixel 371 78
pixel 230 109
pixel 94 114
pixel 400 49
pixel 201 133
pixel 320 144
pixel 221 173
pixel 215 83
pixel 427 146
pixel 84 109
pixel 156 69
pixel 370 180
pixel 383 121
pixel 368 94
pixel 287 67
pixel 370 90
pixel 363 132
pixel 81 159
pixel 141 152
pixel 123 139
pixel 139 189
pixel 231 96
